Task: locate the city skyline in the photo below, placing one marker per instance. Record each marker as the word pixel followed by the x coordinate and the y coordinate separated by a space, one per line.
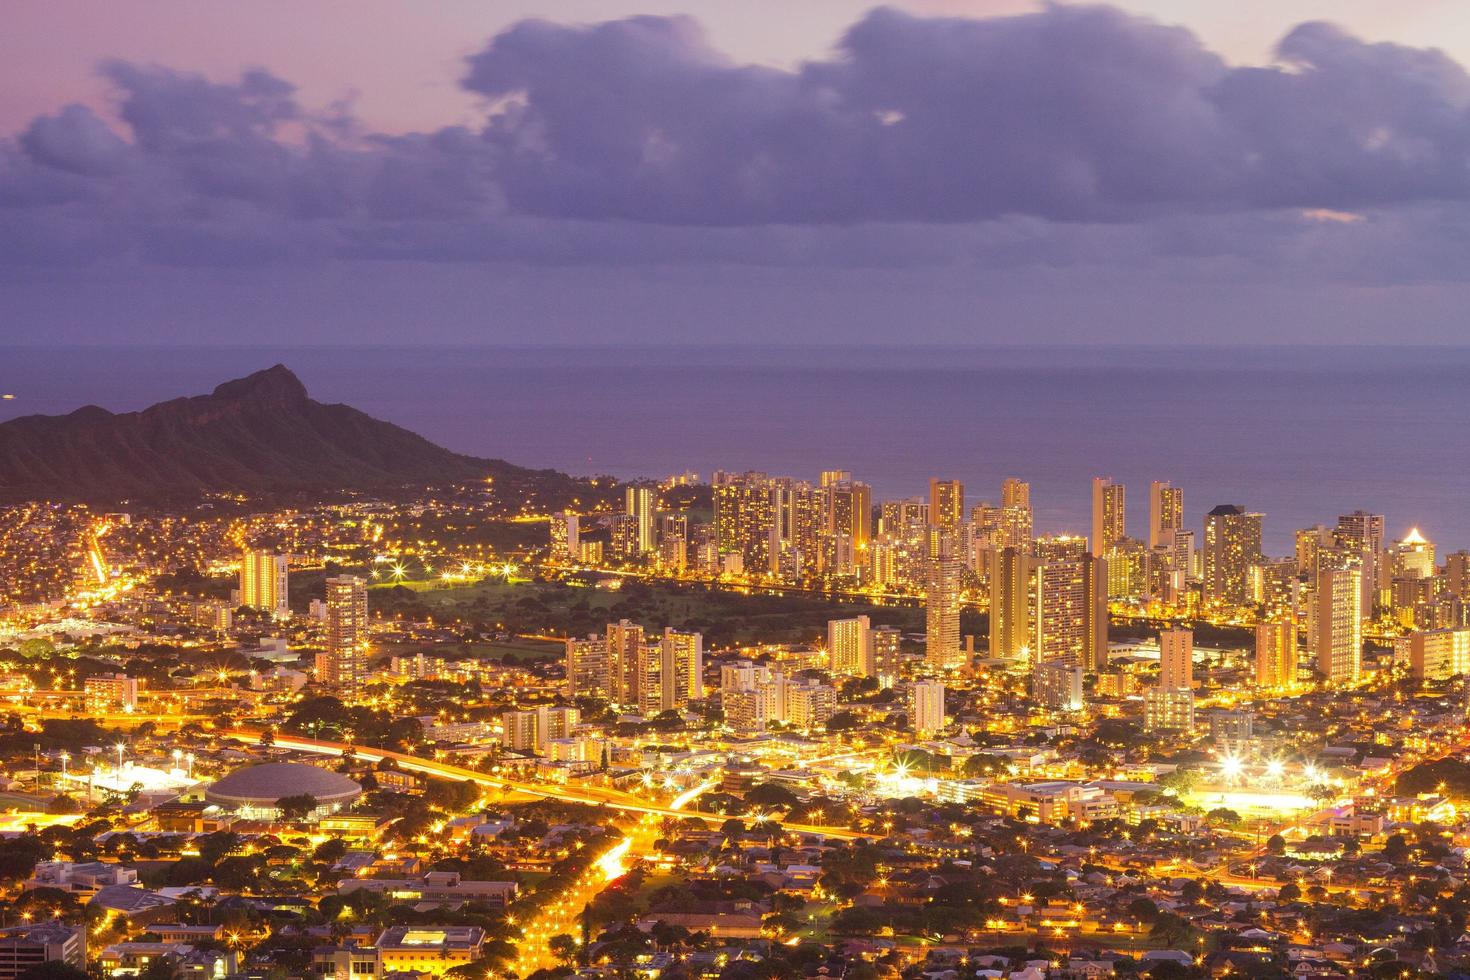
pixel 692 490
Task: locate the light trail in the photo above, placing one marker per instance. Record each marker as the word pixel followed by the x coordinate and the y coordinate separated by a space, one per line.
pixel 588 795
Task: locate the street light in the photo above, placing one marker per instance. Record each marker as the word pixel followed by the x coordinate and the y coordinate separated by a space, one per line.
pixel 119 748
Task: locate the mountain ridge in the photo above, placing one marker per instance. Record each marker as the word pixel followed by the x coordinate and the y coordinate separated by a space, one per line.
pixel 262 433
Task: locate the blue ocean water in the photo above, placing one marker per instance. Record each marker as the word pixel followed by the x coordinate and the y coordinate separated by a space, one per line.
pixel 1301 434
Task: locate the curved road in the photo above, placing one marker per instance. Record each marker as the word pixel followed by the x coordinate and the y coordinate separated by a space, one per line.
pixel 590 795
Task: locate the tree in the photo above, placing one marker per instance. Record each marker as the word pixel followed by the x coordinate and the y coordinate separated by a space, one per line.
pixel 772 795
pixel 1289 893
pixel 159 968
pixel 1276 845
pixel 1223 816
pixel 1396 848
pixel 63 804
pixel 297 806
pixel 563 947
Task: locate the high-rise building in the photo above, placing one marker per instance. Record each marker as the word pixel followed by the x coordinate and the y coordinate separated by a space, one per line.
pixel 1069 604
pixel 1311 542
pixel 1057 685
pixel 1232 544
pixel 264 583
pixel 1335 624
pixel 1176 659
pixel 1015 493
pixel 588 670
pixel 1108 515
pixel 1412 556
pixel 1165 512
pixel 347 633
pixel 747 510
pixel 810 705
pixel 884 643
pixel 1128 569
pixel 626 662
pixel 1438 655
pixel 942 612
pixel 850 512
pixel 898 515
pixel 1010 603
pixel 531 729
pixel 1361 535
pixel 681 673
pixel 1457 575
pixel 640 504
pixel 926 707
pixel 1276 654
pixel 565 536
pixel 108 693
pixel 946 504
pixel 26 947
pixel 1276 587
pixel 1168 710
pixel 849 646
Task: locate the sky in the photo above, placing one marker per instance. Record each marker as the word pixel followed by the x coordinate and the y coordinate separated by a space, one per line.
pixel 610 172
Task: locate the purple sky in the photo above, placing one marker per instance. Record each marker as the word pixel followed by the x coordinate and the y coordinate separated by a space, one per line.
pixel 946 171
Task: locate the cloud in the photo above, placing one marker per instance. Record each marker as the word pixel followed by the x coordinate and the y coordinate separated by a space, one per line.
pixel 1072 136
pixel 1071 113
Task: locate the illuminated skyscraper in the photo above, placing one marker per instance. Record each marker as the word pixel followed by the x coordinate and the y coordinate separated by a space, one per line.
pixel 946 504
pixel 884 642
pixel 1361 534
pixel 1108 510
pixel 747 514
pixel 1168 710
pixel 588 670
pixel 899 515
pixel 1276 587
pixel 1335 624
pixel 1276 659
pixel 1457 575
pixel 1438 655
pixel 565 536
pixel 681 673
pixel 264 583
pixel 849 646
pixel 850 512
pixel 1127 569
pixel 1165 512
pixel 640 505
pixel 1412 556
pixel 926 707
pixel 942 611
pixel 1015 493
pixel 1070 604
pixel 627 667
pixel 1057 685
pixel 1010 603
pixel 347 634
pixel 1310 543
pixel 1232 544
pixel 1176 660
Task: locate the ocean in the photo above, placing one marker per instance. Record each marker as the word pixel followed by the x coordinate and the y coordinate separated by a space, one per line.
pixel 1300 434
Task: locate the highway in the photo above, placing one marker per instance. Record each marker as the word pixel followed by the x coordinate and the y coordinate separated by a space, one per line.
pixel 562 914
pixel 614 799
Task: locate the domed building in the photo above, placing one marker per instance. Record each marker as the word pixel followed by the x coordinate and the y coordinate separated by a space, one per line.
pixel 254 790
